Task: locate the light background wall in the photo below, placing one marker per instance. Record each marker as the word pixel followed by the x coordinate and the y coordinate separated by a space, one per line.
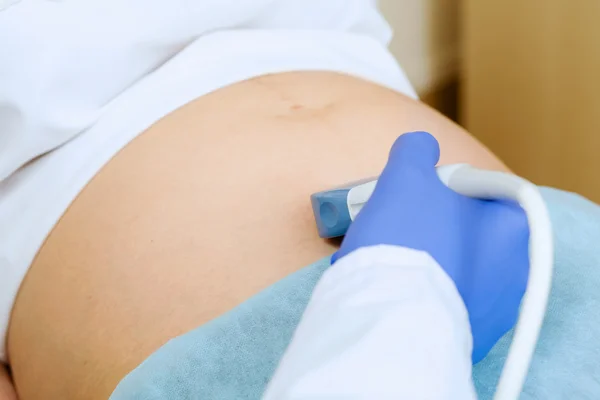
pixel 426 40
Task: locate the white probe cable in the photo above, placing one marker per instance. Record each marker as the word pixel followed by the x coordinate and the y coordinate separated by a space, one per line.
pixel 483 184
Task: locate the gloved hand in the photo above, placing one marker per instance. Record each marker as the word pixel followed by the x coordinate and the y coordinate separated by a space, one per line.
pixel 482 245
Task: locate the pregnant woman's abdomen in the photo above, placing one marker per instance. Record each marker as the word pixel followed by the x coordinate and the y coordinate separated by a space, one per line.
pixel 205 209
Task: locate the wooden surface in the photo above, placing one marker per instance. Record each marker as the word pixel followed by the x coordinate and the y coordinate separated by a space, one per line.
pixel 531 89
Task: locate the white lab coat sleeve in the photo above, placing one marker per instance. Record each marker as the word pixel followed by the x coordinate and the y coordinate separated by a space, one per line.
pixel 384 322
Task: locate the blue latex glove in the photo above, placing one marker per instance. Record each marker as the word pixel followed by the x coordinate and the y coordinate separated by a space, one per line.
pixel 482 245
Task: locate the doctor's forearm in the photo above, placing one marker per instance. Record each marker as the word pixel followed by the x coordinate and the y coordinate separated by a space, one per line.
pixel 383 322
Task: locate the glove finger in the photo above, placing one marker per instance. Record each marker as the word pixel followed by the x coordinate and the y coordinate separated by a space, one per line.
pixel 334 257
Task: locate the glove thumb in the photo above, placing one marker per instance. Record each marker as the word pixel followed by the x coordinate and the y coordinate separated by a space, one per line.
pixel 414 155
pixel 415 149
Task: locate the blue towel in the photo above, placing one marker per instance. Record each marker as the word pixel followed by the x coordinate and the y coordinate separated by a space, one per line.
pixel 234 356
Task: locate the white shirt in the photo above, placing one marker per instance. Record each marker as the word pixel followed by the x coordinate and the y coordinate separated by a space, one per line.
pixel 383 322
pixel 79 79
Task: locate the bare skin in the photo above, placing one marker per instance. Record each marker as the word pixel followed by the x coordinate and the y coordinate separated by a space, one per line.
pixel 202 211
pixel 7 390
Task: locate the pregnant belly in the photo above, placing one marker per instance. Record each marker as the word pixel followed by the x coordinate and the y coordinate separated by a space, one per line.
pixel 202 211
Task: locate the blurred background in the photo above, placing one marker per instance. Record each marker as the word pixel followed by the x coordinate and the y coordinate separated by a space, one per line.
pixel 522 76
